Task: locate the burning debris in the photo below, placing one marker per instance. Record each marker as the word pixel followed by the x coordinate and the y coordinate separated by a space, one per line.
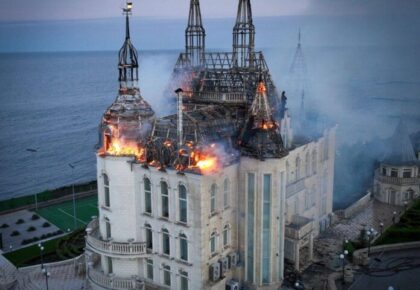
pixel 224 109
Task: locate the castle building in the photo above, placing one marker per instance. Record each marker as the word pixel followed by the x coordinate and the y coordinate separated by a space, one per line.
pixel 397 180
pixel 216 196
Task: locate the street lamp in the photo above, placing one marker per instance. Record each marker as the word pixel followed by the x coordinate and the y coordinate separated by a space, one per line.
pixel 47 275
pixel 74 196
pixel 381 225
pixel 394 215
pixel 370 234
pixel 342 261
pixel 41 249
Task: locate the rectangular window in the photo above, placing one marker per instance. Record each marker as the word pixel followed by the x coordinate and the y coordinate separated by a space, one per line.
pixel 266 239
pixel 250 227
pixel 149 269
pixel 147 196
pixel 110 269
pixel 394 172
pixel 149 238
pixel 407 173
pixel 166 243
pixel 383 171
pixel 182 204
pixel 107 200
pixel 167 275
pixel 165 199
pixel 280 229
pixel 183 280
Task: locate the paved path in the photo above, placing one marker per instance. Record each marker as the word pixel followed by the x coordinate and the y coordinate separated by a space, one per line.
pixel 12 243
pixel 328 246
pixel 399 269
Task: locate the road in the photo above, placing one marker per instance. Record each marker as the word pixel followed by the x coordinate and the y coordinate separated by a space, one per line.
pixel 399 269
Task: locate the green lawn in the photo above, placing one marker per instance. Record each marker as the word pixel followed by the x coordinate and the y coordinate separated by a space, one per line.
pixel 406 230
pixel 57 249
pixel 61 214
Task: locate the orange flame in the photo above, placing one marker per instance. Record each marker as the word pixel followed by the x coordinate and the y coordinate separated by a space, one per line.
pixel 261 88
pixel 120 147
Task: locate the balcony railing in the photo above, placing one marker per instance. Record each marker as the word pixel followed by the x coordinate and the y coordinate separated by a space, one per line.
pixel 396 180
pixel 113 282
pixel 299 228
pixel 111 248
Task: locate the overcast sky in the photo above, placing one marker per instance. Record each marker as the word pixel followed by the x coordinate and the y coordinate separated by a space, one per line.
pixel 17 10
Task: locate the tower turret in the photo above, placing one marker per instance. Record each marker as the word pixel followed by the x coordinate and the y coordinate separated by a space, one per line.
pixel 128 65
pixel 260 137
pixel 244 36
pixel 195 35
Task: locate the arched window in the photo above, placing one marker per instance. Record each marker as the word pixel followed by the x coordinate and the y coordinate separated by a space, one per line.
pixel 183 247
pixel 213 193
pixel 147 196
pixel 226 235
pixel 307 165
pixel 182 204
pixel 314 163
pixel 298 168
pixel 106 191
pixel 149 236
pixel 226 193
pixel 213 242
pixel 166 245
pixel 165 199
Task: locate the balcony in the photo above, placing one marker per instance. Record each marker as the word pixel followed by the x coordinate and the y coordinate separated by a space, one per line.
pixel 95 243
pixel 299 228
pixel 112 282
pixel 396 180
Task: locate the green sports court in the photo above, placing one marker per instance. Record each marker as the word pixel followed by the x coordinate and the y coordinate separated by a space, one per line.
pixel 61 214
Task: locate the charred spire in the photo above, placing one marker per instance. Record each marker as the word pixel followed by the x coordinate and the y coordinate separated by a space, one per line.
pixel 128 58
pixel 195 35
pixel 244 36
pixel 260 137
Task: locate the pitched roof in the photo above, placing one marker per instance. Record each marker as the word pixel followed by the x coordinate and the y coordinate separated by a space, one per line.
pixel 400 149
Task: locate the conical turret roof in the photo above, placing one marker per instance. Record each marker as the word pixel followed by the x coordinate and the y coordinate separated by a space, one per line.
pixel 400 149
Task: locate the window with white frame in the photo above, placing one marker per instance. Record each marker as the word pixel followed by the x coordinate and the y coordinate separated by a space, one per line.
pixel 147 196
pixel 165 199
pixel 149 269
pixel 166 244
pixel 166 275
pixel 183 247
pixel 183 280
pixel 226 235
pixel 182 204
pixel 149 236
pixel 107 199
pixel 213 192
pixel 226 193
pixel 213 242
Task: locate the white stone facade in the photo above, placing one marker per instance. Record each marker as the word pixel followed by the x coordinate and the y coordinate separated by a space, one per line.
pixel 396 185
pixel 224 216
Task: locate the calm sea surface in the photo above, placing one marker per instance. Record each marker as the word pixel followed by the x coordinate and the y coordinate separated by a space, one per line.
pixel 52 102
